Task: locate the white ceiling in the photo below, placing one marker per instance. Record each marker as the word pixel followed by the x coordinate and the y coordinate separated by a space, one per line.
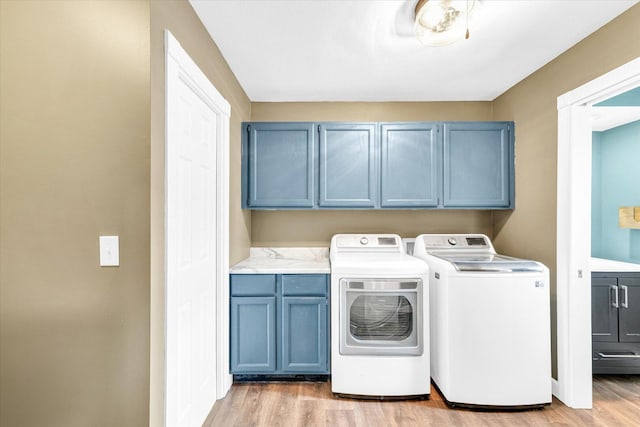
pixel 365 50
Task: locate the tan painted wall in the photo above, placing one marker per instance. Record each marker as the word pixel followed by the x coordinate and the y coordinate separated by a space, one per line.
pixel 81 151
pixel 82 140
pixel 532 105
pixel 299 228
pixel 181 20
pixel 74 337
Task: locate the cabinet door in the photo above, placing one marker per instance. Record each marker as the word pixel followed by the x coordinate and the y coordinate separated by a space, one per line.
pixel 629 309
pixel 604 313
pixel 409 162
pixel 347 165
pixel 253 334
pixel 281 165
pixel 478 164
pixel 304 334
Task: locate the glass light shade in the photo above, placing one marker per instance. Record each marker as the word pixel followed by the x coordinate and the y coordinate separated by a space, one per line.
pixel 442 22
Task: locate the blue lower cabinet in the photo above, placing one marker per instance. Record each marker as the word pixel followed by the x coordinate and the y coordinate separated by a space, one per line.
pixel 253 334
pixel 279 324
pixel 304 334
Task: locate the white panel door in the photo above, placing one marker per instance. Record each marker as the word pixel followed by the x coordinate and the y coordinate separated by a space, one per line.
pixel 191 235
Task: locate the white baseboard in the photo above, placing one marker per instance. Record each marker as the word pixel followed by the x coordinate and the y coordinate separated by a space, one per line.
pixel 555 388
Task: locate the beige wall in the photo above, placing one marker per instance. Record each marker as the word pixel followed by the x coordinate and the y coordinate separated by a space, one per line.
pixel 74 337
pixel 82 140
pixel 299 228
pixel 181 20
pixel 532 105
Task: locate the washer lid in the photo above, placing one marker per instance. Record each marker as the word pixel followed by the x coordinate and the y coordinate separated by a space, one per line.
pixel 489 263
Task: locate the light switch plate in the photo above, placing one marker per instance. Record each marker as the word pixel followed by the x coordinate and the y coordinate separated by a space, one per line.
pixel 109 251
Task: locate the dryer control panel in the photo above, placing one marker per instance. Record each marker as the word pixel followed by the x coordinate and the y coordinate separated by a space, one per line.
pixel 367 243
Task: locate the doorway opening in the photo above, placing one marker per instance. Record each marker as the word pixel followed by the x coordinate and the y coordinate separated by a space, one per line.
pixel 574 384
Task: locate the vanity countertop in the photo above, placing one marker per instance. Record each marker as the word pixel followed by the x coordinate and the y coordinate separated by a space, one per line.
pixel 284 261
pixel 607 265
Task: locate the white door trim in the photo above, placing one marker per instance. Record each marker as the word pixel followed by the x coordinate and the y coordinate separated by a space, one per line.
pixel 573 245
pixel 177 55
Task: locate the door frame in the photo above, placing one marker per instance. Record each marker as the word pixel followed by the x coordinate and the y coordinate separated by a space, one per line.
pixel 176 52
pixel 573 244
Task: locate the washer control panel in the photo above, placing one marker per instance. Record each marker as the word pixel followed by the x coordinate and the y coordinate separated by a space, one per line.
pixel 456 241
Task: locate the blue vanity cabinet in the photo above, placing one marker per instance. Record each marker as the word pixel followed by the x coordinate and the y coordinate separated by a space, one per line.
pixel 409 154
pixel 280 165
pixel 478 165
pixel 615 322
pixel 604 308
pixel 348 165
pixel 279 324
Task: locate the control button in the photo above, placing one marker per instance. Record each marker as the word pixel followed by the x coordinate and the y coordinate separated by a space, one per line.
pixel 364 241
pixel 452 241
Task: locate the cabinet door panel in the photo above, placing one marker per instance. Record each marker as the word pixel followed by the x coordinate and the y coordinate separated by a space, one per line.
pixel 347 165
pixel 304 334
pixel 629 309
pixel 253 334
pixel 281 165
pixel 604 316
pixel 409 161
pixel 478 164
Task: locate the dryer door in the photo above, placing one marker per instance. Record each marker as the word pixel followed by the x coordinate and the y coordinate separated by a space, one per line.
pixel 381 316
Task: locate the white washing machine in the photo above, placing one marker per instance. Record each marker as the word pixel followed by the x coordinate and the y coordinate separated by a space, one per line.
pixel 490 323
pixel 379 318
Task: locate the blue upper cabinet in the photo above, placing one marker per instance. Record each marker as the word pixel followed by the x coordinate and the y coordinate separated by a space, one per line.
pixel 414 165
pixel 478 165
pixel 280 165
pixel 348 165
pixel 409 165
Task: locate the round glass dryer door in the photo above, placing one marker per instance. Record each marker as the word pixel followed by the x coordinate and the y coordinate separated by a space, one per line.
pixel 381 316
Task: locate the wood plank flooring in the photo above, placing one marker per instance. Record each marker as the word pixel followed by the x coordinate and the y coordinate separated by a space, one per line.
pixel 616 404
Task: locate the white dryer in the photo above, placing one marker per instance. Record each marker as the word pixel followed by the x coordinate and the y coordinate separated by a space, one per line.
pixel 379 318
pixel 490 323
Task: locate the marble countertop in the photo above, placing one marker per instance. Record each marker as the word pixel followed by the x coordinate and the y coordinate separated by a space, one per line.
pixel 607 265
pixel 284 261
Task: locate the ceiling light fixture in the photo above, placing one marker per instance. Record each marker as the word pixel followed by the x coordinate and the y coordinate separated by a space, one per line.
pixel 442 22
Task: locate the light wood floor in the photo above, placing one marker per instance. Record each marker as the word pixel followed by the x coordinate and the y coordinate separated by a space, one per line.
pixel 616 403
